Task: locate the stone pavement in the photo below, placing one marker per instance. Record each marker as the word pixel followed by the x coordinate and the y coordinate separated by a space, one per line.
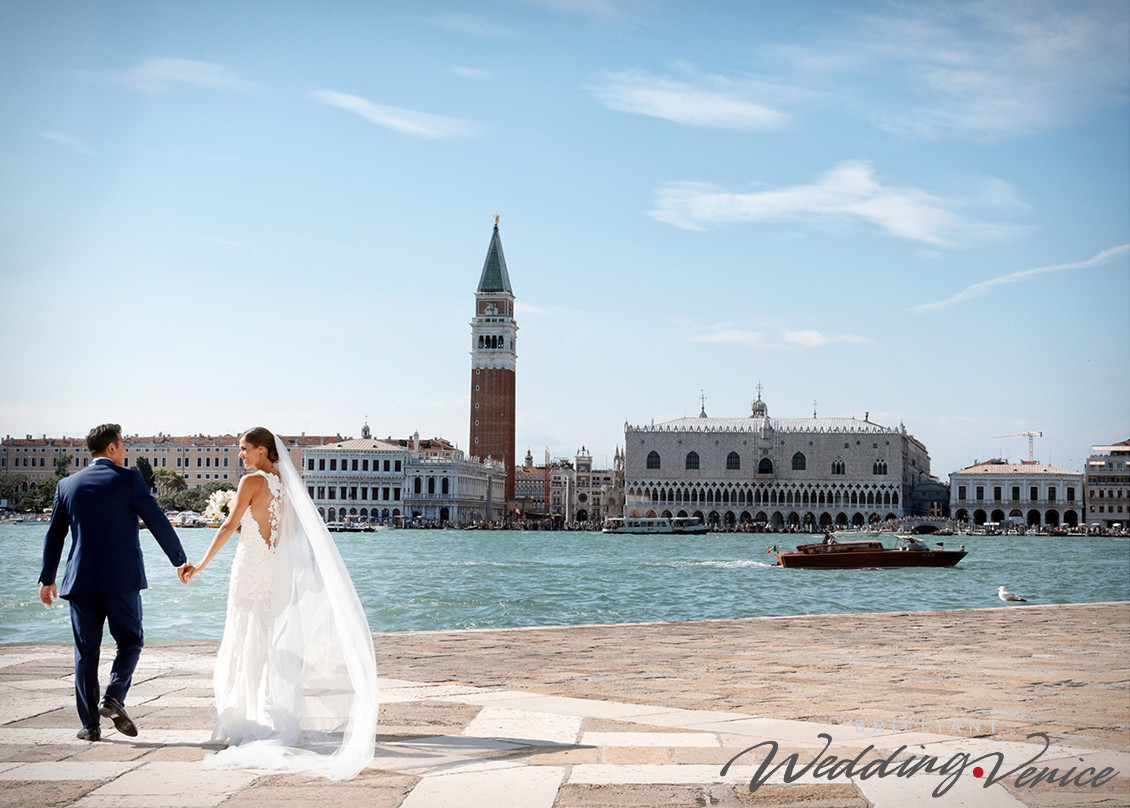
pixel 636 715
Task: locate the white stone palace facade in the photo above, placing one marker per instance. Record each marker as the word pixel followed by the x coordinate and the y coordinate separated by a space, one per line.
pixel 1033 494
pixel 357 479
pixel 814 473
pixel 443 485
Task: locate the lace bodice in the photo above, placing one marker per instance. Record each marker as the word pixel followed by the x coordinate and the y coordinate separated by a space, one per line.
pixel 249 525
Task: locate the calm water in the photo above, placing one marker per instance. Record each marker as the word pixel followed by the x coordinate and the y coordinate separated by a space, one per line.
pixel 445 579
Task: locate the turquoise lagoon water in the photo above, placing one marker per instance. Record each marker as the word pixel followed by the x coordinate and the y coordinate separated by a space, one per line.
pixel 449 579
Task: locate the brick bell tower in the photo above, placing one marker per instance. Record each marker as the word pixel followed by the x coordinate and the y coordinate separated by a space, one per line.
pixel 493 361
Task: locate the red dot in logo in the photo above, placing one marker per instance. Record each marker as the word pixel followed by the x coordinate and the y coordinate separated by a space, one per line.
pixel 978 771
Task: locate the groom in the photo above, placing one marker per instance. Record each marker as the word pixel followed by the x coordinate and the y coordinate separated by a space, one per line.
pixel 100 505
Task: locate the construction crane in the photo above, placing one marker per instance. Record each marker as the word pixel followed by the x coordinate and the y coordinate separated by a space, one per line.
pixel 1028 435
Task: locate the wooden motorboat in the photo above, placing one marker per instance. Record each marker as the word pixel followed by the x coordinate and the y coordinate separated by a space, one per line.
pixel 831 554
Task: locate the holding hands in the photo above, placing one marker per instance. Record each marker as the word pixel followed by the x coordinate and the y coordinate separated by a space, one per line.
pixel 186 572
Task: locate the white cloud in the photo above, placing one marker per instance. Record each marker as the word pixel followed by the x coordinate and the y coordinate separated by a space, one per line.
pixel 602 11
pixel 471 24
pixel 470 72
pixel 161 74
pixel 988 69
pixel 707 101
pixel 850 191
pixel 771 337
pixel 979 289
pixel 64 139
pixel 815 339
pixel 405 121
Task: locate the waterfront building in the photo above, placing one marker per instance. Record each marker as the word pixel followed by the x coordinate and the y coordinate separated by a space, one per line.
pixel 200 459
pixel 442 484
pixel 357 479
pixel 570 491
pixel 493 363
pixel 1108 486
pixel 802 473
pixel 1025 493
pixel 531 488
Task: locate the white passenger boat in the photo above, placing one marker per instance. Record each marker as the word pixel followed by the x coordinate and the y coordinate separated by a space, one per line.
pixel 654 524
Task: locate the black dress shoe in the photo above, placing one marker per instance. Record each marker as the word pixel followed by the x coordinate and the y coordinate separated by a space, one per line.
pixel 89 734
pixel 113 709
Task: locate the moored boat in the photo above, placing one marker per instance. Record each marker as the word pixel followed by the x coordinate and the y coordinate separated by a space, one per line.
pixel 831 554
pixel 654 524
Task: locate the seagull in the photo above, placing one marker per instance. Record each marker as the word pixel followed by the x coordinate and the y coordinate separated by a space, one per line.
pixel 1008 597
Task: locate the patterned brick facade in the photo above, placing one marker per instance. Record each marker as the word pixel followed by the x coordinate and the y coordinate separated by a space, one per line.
pixel 493 362
pixel 801 472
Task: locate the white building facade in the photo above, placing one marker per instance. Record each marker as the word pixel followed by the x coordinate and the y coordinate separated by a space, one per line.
pixel 360 479
pixel 800 473
pixel 1032 494
pixel 444 485
pixel 1108 486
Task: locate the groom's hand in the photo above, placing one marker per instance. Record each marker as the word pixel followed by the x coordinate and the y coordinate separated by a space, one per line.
pixel 48 593
pixel 185 572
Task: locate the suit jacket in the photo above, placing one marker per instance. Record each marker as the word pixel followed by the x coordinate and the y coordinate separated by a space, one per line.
pixel 101 505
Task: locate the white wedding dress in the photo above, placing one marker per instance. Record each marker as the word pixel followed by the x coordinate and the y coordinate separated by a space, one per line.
pixel 295 678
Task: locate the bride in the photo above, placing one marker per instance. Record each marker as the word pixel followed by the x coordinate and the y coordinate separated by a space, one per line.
pixel 295 678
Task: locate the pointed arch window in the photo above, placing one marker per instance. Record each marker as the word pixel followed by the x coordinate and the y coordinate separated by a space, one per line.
pixel 733 461
pixel 765 466
pixel 653 460
pixel 800 462
pixel 692 460
pixel 839 467
pixel 879 468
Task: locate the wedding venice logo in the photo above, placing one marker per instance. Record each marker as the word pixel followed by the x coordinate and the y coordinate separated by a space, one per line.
pixel 989 766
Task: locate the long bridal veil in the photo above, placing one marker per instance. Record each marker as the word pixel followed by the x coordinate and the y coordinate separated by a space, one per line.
pixel 321 670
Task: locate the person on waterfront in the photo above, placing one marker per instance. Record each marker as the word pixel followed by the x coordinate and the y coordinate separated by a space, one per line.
pixel 295 678
pixel 100 507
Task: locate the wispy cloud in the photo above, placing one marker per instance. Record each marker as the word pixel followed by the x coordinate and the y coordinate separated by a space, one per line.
pixel 769 336
pixel 64 139
pixel 601 11
pixel 405 121
pixel 471 25
pixel 234 245
pixel 706 100
pixel 848 192
pixel 470 72
pixel 979 289
pixel 162 74
pixel 988 69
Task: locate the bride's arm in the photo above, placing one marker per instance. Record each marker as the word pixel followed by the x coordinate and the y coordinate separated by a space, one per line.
pixel 249 489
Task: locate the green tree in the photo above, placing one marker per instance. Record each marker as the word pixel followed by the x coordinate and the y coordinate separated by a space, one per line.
pixel 212 487
pixel 40 496
pixel 145 469
pixel 10 488
pixel 192 499
pixel 168 482
pixel 63 466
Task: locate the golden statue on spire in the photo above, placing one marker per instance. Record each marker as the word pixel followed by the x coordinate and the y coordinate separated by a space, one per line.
pixel 496 220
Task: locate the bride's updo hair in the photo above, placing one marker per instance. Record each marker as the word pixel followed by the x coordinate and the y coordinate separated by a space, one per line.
pixel 262 437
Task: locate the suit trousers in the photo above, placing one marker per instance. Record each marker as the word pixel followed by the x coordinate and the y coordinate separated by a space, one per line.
pixel 89 613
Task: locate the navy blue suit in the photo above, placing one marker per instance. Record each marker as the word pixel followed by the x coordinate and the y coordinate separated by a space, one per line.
pixel 105 574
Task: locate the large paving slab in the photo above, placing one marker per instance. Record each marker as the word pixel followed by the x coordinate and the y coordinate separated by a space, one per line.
pixel 767 711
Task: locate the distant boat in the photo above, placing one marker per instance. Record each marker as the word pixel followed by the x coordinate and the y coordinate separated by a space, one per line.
pixel 909 552
pixel 349 527
pixel 691 525
pixel 190 519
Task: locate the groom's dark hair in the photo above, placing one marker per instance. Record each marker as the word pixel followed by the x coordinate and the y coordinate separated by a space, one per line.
pixel 102 436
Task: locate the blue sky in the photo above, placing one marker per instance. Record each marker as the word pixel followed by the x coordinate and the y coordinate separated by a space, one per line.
pixel 215 215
